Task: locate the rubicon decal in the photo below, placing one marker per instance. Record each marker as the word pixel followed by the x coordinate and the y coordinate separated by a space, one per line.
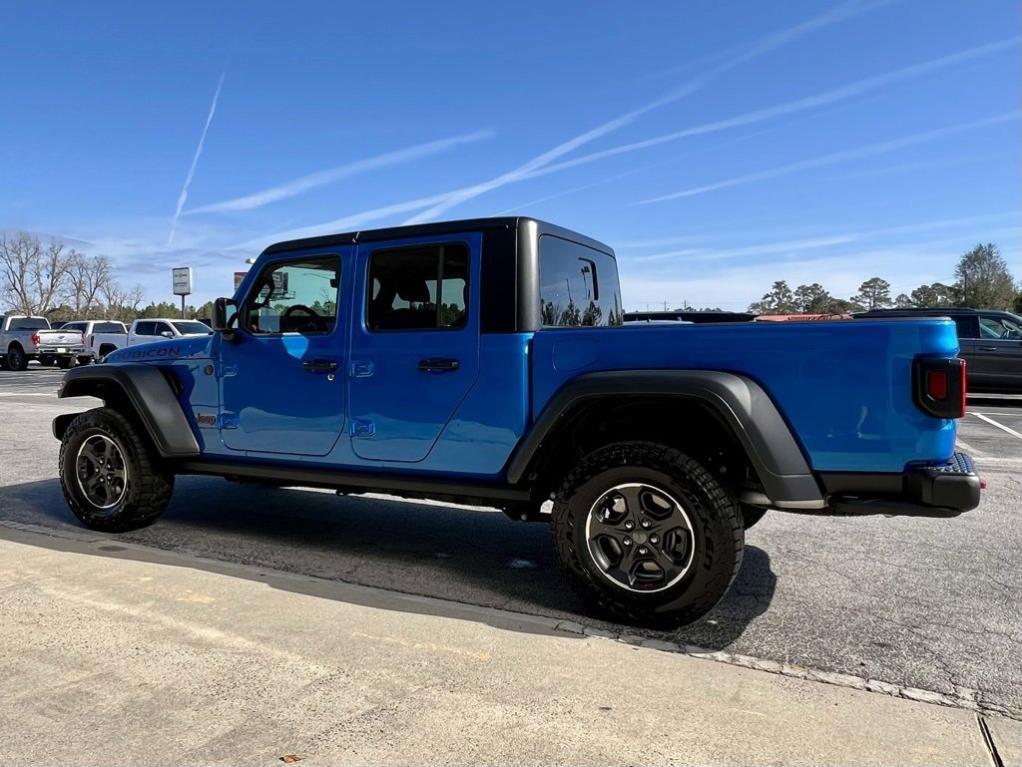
pixel 157 353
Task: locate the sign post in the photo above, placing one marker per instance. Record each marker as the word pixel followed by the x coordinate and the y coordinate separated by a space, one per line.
pixel 182 285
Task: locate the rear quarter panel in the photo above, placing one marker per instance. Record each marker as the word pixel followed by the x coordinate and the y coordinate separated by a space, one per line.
pixel 845 387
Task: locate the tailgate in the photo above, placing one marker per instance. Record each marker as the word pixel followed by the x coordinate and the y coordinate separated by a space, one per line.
pixel 68 338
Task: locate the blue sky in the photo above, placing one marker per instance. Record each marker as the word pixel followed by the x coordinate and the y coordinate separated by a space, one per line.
pixel 717 146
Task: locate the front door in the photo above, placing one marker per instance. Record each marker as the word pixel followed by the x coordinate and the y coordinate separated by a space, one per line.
pixel 415 345
pixel 282 377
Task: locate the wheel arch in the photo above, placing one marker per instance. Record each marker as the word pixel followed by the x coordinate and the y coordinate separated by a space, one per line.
pixel 728 413
pixel 139 391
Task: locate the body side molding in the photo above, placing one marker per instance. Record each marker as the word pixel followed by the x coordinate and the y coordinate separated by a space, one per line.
pixel 739 401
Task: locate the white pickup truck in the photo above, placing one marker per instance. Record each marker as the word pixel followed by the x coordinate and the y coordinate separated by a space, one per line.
pixel 101 336
pixel 30 338
pixel 148 330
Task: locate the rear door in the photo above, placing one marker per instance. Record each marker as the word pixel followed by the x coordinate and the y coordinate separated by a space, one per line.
pixel 997 355
pixel 414 343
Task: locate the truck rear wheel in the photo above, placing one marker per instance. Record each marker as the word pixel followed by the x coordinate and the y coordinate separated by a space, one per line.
pixel 646 535
pixel 65 362
pixel 111 477
pixel 16 358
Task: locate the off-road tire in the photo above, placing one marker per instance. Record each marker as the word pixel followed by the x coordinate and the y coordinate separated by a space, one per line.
pixel 16 358
pixel 716 519
pixel 751 515
pixel 148 487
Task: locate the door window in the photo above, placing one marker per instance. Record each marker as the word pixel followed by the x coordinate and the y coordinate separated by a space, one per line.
pixel 294 297
pixel 967 326
pixel 421 288
pixel 145 329
pixel 1000 327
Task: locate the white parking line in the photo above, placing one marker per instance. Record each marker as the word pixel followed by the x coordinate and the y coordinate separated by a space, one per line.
pixel 1000 426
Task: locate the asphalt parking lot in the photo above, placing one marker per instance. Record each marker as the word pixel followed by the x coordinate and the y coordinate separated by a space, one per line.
pixel 925 603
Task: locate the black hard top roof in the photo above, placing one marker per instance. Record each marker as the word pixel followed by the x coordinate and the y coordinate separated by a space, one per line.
pixel 440 227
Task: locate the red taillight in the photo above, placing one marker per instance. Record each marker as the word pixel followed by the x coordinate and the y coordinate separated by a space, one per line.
pixel 939 386
pixel 936 384
pixel 35 339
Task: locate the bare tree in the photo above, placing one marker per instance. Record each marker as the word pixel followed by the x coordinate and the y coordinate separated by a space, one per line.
pixel 87 277
pixel 17 255
pixel 33 277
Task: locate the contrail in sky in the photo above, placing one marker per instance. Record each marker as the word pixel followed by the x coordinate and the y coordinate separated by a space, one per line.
pixel 311 181
pixel 835 157
pixel 841 13
pixel 195 160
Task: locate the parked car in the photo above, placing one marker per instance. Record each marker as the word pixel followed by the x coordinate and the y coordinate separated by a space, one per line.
pixel 149 330
pixel 24 338
pixel 990 342
pixel 487 362
pixel 101 336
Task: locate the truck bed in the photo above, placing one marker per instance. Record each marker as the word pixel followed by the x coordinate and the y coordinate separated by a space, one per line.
pixel 845 386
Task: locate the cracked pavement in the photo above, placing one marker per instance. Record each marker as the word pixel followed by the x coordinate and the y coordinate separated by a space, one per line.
pixel 925 603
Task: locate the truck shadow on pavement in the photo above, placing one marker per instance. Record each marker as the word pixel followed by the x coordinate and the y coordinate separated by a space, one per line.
pixel 467 557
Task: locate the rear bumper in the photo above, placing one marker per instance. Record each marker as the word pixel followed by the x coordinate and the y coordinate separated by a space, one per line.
pixel 51 351
pixel 927 491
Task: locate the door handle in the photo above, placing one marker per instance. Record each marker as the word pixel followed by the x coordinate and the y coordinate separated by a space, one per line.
pixel 439 365
pixel 320 366
pixel 988 348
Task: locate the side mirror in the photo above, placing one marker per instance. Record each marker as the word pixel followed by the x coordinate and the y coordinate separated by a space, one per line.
pixel 167 334
pixel 225 310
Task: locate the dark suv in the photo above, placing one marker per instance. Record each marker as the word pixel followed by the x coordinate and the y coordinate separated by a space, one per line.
pixel 990 341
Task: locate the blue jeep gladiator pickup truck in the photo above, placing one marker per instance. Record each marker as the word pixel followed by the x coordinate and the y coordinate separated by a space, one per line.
pixel 487 362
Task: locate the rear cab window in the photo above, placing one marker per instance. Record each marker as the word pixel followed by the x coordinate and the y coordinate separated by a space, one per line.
pixel 29 323
pixel 578 285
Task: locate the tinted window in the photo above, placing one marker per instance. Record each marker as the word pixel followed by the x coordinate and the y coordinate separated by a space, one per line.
pixel 79 326
pixel 29 323
pixel 423 288
pixel 293 297
pixel 190 326
pixel 578 285
pixel 107 327
pixel 145 329
pixel 996 326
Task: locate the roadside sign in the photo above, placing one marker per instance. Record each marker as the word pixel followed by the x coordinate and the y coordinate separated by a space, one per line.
pixel 182 280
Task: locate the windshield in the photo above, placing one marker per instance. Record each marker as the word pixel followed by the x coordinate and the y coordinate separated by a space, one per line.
pixel 191 328
pixel 29 323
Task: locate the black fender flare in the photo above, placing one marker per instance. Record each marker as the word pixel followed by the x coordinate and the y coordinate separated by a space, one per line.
pixel 148 393
pixel 740 402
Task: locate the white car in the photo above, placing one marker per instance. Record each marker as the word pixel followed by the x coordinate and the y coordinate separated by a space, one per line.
pixel 101 336
pixel 147 331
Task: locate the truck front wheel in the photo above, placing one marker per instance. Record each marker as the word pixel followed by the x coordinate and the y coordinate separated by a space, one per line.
pixel 111 477
pixel 646 535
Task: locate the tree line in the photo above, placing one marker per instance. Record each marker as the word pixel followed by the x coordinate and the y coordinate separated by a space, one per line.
pixel 57 282
pixel 982 281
